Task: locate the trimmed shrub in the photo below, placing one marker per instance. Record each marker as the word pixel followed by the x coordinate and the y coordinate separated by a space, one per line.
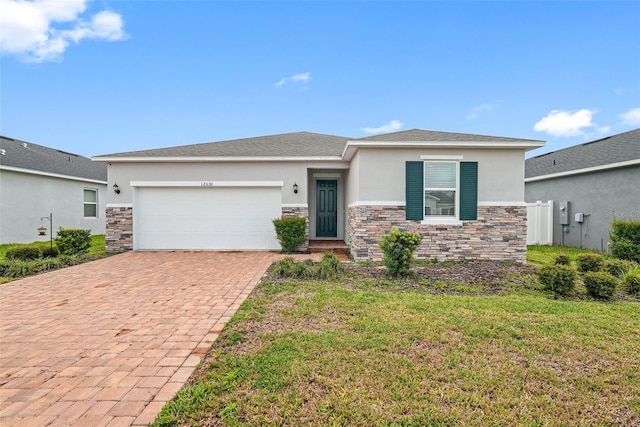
pixel 562 259
pixel 589 262
pixel 600 284
pixel 73 241
pixel 560 279
pixel 398 247
pixel 625 239
pixel 50 252
pixel 617 267
pixel 290 232
pixel 631 280
pixel 330 266
pixel 23 253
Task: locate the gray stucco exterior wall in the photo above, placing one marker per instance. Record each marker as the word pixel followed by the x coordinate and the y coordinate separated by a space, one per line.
pixel 600 196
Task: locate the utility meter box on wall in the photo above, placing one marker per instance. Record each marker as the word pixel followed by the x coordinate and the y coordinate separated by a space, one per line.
pixel 580 217
pixel 564 213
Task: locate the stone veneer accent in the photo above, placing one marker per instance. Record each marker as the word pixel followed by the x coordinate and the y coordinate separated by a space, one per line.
pixel 499 233
pixel 303 212
pixel 119 236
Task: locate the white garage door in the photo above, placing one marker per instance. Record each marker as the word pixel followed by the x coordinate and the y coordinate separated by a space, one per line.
pixel 206 218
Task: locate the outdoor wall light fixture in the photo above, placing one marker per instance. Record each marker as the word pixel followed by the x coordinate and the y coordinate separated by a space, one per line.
pixel 295 188
pixel 116 189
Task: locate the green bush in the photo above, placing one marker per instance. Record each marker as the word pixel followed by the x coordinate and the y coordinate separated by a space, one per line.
pixel 4 266
pixel 73 241
pixel 285 267
pixel 589 262
pixel 18 268
pixel 330 266
pixel 617 267
pixel 290 232
pixel 600 284
pixel 560 279
pixel 47 264
pixel 50 252
pixel 398 247
pixel 23 253
pixel 562 259
pixel 625 239
pixel 69 260
pixel 631 279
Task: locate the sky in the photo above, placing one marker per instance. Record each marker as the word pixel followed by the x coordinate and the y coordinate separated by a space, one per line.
pixel 101 77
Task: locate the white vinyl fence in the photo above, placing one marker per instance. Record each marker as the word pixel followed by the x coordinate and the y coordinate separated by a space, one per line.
pixel 540 223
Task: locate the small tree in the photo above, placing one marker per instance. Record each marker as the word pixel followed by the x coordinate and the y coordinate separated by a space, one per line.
pixel 73 241
pixel 290 232
pixel 398 247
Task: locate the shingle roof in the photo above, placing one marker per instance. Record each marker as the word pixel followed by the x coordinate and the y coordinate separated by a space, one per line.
pixel 612 149
pixel 300 144
pixel 432 135
pixel 297 144
pixel 25 155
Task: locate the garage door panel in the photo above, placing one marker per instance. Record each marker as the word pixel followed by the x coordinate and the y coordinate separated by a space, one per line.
pixel 206 218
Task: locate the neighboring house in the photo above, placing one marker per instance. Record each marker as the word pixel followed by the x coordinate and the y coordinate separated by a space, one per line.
pixel 463 193
pixel 598 179
pixel 37 181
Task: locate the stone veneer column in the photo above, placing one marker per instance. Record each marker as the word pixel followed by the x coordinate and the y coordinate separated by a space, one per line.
pixel 119 236
pixel 499 233
pixel 303 212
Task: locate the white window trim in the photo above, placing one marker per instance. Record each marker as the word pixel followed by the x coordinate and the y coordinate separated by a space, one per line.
pixel 84 202
pixel 443 219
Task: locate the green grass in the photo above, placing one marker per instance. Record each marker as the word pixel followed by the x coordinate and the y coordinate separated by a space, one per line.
pixel 328 353
pixel 539 255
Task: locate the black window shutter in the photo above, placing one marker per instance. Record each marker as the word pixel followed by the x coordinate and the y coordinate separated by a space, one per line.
pixel 415 190
pixel 468 190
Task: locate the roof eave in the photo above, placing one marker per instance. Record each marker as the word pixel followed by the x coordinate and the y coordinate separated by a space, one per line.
pixel 583 170
pixel 200 159
pixel 352 146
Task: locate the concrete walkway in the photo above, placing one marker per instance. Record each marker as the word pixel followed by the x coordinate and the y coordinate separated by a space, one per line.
pixel 108 343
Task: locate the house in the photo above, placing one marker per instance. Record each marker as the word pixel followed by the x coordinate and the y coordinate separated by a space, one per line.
pixel 38 181
pixel 590 184
pixel 463 193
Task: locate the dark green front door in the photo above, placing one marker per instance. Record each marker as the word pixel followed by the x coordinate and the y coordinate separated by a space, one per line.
pixel 327 208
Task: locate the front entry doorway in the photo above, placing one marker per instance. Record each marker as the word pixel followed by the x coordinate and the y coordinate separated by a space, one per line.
pixel 326 208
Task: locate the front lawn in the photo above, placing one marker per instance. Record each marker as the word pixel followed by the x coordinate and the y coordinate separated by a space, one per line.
pixel 440 348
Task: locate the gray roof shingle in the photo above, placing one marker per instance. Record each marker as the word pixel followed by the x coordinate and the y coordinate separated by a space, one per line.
pixel 25 155
pixel 439 136
pixel 300 144
pixel 612 149
pixel 297 144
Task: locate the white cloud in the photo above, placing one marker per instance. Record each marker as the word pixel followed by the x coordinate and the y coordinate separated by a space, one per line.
pixel 479 109
pixel 296 78
pixel 631 117
pixel 30 28
pixel 389 127
pixel 565 123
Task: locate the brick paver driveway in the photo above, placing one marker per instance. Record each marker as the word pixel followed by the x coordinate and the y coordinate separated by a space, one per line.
pixel 111 341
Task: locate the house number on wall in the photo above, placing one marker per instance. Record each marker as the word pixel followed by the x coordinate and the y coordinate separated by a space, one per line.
pixel 206 184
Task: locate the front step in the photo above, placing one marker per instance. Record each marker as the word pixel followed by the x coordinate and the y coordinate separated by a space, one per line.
pixel 338 247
